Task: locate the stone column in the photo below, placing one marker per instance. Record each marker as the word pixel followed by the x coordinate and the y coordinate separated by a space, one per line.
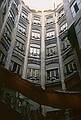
pixel 43 53
pixel 8 59
pixel 61 66
pixel 6 17
pixel 68 12
pixel 27 47
pixel 59 54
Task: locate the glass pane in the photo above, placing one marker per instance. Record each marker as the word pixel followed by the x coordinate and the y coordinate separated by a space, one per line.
pixel 38 51
pixel 31 50
pixel 76 7
pixel 34 50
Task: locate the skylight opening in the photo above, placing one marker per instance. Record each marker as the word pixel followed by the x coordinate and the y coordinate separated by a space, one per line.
pixel 42 4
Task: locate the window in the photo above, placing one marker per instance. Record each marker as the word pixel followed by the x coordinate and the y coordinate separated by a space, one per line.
pixel 14 7
pixel 7 31
pixel 51 51
pixel 24 10
pixel 52 74
pixel 49 19
pixel 70 68
pixel 63 27
pixel 5 41
pixel 4 44
pixel 34 52
pixel 60 14
pixel 19 46
pixel 22 29
pixel 37 18
pixel 35 35
pixel 6 36
pixel 11 16
pixel 23 15
pixel 36 21
pixel 15 67
pixel 2 57
pixel 16 2
pixel 33 74
pixel 4 12
pixel 76 6
pixel 51 34
pixel 65 43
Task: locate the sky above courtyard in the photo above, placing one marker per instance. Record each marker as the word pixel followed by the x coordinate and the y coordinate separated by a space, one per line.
pixel 42 4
